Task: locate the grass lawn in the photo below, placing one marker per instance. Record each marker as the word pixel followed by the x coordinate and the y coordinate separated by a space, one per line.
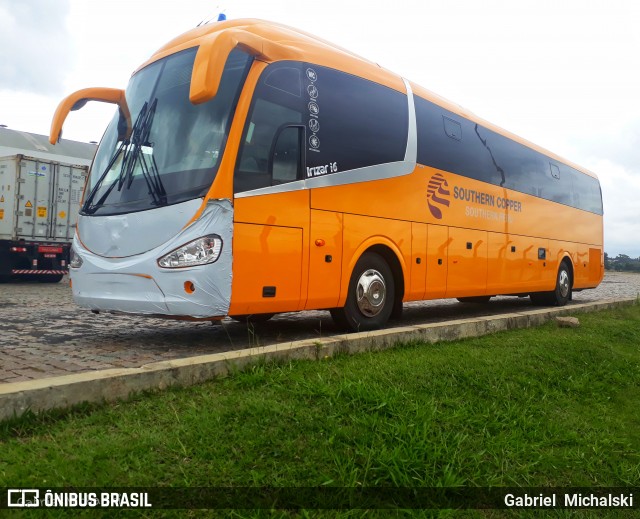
pixel 537 407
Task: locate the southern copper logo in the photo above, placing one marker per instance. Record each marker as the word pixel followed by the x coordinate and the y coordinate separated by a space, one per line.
pixel 437 195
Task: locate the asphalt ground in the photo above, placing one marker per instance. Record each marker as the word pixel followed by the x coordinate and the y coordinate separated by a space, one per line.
pixel 43 334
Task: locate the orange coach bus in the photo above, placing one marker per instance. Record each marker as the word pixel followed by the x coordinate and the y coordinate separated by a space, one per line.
pixel 252 169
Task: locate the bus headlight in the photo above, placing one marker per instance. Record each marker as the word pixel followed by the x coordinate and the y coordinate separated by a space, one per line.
pixel 197 252
pixel 76 260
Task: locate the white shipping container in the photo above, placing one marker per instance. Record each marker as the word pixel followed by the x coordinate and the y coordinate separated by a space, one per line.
pixel 39 199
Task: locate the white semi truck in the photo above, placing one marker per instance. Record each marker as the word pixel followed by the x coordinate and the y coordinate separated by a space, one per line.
pixel 39 202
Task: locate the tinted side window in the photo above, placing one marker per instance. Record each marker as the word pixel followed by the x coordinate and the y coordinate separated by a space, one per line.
pixel 452 143
pixel 352 122
pixel 586 192
pixel 555 183
pixel 277 102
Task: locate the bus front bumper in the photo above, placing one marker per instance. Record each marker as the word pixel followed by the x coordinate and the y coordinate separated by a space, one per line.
pixel 138 285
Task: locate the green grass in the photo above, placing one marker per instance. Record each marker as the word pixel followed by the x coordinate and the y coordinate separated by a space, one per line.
pixel 538 407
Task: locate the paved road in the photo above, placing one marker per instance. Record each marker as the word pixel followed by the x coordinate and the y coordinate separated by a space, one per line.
pixel 43 334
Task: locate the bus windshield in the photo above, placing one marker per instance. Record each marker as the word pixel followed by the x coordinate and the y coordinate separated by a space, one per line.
pixel 172 151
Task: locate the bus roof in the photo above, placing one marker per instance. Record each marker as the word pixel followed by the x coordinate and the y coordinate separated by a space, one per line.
pixel 321 52
pixel 315 50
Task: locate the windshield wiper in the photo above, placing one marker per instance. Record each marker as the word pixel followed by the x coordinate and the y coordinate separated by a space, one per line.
pixel 89 207
pixel 132 154
pixel 149 169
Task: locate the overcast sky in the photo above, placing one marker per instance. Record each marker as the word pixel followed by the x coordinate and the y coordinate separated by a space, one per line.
pixel 564 74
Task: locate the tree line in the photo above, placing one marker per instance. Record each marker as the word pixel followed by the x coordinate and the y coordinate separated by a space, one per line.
pixel 621 262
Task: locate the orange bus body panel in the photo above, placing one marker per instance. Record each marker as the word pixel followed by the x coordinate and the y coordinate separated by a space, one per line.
pixel 325 259
pixel 271 250
pixel 267 269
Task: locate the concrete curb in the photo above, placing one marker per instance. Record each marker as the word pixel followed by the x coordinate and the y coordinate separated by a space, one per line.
pixel 113 384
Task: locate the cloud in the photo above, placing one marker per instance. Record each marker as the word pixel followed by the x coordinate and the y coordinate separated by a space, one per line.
pixel 620 144
pixel 35 45
pixel 612 151
pixel 620 187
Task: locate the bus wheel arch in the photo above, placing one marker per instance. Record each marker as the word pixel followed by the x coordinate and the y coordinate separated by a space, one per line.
pixel 375 291
pixel 398 276
pixel 562 292
pixel 564 282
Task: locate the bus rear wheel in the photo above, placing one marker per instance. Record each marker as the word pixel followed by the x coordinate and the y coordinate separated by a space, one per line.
pixel 370 298
pixel 561 295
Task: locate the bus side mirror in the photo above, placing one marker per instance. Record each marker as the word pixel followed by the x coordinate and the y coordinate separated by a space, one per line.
pixel 214 51
pixel 80 98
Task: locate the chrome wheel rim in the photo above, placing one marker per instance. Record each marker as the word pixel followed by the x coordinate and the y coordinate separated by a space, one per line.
pixel 563 283
pixel 371 293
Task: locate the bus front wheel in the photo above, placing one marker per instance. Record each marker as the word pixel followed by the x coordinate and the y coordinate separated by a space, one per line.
pixel 370 298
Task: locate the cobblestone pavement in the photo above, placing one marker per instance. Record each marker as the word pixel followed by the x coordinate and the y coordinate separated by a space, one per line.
pixel 43 334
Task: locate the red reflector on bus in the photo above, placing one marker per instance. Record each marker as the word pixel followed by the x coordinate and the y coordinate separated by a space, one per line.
pixel 49 249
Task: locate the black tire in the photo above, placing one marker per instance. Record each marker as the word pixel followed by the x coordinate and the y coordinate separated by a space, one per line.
pixel 540 298
pixel 479 300
pixel 371 295
pixel 50 278
pixel 561 295
pixel 252 318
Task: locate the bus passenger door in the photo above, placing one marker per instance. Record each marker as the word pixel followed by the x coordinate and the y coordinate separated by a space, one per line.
pixel 467 275
pixel 270 228
pixel 267 269
pixel 271 204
